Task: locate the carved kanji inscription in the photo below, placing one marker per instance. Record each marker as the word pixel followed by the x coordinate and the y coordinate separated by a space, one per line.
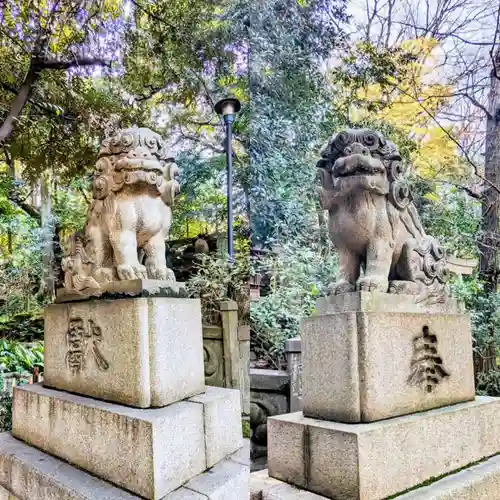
pixel 83 339
pixel 427 369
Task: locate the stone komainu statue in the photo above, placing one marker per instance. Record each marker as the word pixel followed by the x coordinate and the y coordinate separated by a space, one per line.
pixel 134 185
pixel 373 222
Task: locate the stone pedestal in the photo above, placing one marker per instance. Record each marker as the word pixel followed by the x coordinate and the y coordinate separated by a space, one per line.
pixel 139 352
pixel 388 361
pixel 175 439
pixel 367 357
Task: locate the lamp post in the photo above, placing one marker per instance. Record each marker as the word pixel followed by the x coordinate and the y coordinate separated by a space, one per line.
pixel 228 108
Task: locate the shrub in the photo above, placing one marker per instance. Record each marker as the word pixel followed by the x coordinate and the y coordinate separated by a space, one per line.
pixel 298 275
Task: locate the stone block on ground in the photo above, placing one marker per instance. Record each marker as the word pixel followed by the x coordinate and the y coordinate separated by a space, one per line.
pixel 388 362
pixel 227 480
pixel 372 461
pixel 142 352
pixel 222 420
pixel 30 474
pixel 150 452
pixel 478 482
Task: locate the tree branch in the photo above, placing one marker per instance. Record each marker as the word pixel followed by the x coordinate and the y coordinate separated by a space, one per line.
pixel 42 64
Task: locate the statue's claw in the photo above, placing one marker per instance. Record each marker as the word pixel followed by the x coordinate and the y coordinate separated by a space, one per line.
pixel 126 272
pixel 341 286
pixel 157 273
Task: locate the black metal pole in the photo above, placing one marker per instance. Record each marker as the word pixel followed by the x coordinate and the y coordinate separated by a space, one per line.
pixel 229 154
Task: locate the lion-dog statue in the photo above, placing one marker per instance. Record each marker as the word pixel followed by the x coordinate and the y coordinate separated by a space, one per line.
pixel 373 221
pixel 134 186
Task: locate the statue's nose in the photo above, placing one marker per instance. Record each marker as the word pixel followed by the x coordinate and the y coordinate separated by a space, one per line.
pixel 358 148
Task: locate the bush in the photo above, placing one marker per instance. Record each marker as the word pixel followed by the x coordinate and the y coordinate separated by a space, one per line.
pixel 484 309
pixel 218 279
pixel 298 275
pixel 19 357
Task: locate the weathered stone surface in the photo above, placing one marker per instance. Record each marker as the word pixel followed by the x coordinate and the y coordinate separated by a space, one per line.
pixel 379 459
pixel 268 380
pixel 227 480
pixel 263 487
pixel 134 187
pixel 286 454
pixel 259 482
pixel 6 495
pixel 128 288
pixel 139 352
pixel 381 302
pixel 150 452
pixel 373 221
pixel 222 420
pixel 31 474
pixel 293 349
pixel 288 492
pixel 386 364
pixel 184 494
pixel 479 482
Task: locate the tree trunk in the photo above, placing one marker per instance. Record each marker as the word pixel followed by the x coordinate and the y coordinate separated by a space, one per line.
pixel 12 175
pixel 19 102
pixel 48 277
pixel 488 265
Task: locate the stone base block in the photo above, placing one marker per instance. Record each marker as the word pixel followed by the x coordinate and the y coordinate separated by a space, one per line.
pixel 373 461
pixel 148 452
pixel 479 482
pixel 138 352
pixel 31 474
pixel 391 358
pixel 228 480
pixel 263 487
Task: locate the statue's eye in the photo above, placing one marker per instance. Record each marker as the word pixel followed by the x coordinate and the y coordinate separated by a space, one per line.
pixel 365 151
pixel 348 151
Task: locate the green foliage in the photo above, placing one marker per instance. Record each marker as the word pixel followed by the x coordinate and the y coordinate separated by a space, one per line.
pixel 484 309
pixel 5 410
pixel 19 357
pixel 246 430
pixel 291 114
pixel 219 279
pixel 298 274
pixel 24 327
pixel 454 219
pixel 488 383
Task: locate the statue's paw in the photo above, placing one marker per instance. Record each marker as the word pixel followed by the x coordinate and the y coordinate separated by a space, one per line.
pixel 126 272
pixel 341 286
pixel 157 273
pixel 372 284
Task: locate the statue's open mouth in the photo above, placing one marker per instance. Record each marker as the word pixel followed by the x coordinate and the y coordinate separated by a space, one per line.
pixel 357 164
pixel 137 163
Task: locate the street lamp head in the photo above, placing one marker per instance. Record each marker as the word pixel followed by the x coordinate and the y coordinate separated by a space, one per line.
pixel 228 106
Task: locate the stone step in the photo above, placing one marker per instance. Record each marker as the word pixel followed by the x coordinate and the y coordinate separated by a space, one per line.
pixel 149 452
pixel 142 352
pixel 27 473
pixel 477 482
pixel 375 460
